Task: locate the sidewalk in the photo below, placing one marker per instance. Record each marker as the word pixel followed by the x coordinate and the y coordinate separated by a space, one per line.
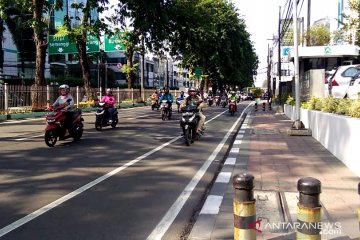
pixel 277 161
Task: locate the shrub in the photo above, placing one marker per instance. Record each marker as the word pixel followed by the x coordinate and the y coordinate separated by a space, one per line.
pixel 343 107
pixel 354 110
pixel 313 103
pixel 329 104
pixel 290 100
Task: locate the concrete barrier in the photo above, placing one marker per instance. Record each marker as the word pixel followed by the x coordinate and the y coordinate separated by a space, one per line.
pixel 337 133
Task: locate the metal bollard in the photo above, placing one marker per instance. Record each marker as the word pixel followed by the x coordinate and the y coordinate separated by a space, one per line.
pixel 256 105
pixel 309 209
pixel 244 207
pixel 264 106
pixel 270 106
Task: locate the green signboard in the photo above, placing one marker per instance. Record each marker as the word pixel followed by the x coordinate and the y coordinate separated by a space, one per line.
pixel 61 45
pixel 113 43
pixel 198 71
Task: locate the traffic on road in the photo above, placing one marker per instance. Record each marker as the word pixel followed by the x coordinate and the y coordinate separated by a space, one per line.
pixel 138 180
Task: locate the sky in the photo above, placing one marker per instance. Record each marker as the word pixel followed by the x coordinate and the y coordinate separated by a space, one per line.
pixel 262 16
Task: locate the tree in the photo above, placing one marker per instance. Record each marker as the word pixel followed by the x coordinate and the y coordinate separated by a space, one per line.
pixel 79 28
pixel 352 22
pixel 211 35
pixel 317 35
pixel 148 21
pixel 25 22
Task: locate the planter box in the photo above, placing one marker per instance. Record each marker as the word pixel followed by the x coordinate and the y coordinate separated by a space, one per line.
pixel 338 134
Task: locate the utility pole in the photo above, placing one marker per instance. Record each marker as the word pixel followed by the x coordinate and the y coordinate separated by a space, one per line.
pixel 279 62
pixel 308 22
pixel 268 70
pixel 142 68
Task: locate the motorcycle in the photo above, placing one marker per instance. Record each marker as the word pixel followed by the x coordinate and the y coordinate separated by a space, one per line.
pixel 154 104
pixel 101 117
pixel 223 102
pixel 217 100
pixel 188 123
pixel 209 101
pixel 165 110
pixel 57 128
pixel 232 107
pixel 178 103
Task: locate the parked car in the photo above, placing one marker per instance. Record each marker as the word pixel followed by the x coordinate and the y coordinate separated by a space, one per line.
pixel 353 90
pixel 340 80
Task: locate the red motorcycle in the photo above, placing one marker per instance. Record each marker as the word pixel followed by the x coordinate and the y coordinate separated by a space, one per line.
pixel 232 107
pixel 59 127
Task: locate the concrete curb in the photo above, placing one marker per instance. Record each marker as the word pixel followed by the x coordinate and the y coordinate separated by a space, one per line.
pixel 204 225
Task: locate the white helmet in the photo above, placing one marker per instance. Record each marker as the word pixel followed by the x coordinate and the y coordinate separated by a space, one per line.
pixel 66 87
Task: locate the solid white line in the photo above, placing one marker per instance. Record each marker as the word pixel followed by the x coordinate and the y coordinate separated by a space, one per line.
pixel 223 177
pixel 212 205
pixel 174 210
pixel 80 190
pixel 22 139
pixel 230 161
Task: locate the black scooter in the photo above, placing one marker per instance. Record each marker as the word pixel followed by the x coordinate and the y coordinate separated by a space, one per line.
pixel 101 117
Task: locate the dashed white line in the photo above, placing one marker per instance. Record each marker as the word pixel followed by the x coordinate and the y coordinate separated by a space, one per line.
pixel 174 210
pixel 212 205
pixel 223 177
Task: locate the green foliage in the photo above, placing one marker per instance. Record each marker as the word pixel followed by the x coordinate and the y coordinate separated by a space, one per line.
pixel 354 110
pixel 317 35
pixel 329 104
pixel 313 103
pixel 257 92
pixel 290 100
pixel 346 107
pixel 343 107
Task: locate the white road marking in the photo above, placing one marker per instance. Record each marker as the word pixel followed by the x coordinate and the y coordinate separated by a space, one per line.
pixel 26 138
pixel 40 211
pixel 230 161
pixel 235 150
pixel 212 205
pixel 223 177
pixel 137 117
pixel 78 191
pixel 174 210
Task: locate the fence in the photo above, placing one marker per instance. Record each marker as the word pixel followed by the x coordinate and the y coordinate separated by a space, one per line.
pixel 16 97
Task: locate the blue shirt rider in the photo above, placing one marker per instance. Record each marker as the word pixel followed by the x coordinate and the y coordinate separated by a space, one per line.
pixel 167 96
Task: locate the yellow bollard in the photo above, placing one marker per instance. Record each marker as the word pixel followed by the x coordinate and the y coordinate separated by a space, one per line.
pixel 244 207
pixel 309 209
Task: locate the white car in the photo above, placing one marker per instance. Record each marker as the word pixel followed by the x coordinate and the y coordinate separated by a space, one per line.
pixel 340 80
pixel 353 90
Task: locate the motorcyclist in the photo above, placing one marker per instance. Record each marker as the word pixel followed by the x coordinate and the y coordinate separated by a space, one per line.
pixel 62 100
pixel 109 99
pixel 195 100
pixel 167 96
pixel 234 98
pixel 155 96
pixel 66 101
pixel 179 99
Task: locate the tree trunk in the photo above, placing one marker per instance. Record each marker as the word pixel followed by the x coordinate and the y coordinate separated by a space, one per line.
pixel 40 46
pixel 85 68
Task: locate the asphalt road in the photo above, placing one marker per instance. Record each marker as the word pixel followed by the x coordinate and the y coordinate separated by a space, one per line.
pixel 137 181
